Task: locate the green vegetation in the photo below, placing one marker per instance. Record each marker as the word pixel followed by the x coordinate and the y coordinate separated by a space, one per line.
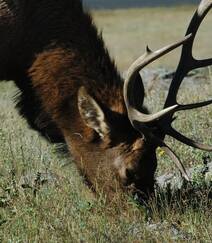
pixel 64 210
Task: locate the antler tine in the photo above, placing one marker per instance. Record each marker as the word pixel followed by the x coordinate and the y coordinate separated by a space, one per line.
pixel 172 155
pixel 187 61
pixel 178 136
pixel 191 106
pixel 140 63
pixel 176 160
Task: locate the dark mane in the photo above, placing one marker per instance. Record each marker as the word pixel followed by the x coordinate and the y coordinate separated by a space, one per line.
pixel 42 26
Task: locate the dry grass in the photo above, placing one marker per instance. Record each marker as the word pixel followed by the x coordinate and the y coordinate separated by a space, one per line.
pixel 66 211
pixel 127 32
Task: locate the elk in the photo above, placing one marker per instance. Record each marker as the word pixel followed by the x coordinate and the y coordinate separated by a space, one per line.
pixel 72 93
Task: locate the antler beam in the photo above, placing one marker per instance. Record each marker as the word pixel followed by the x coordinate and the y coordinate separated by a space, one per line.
pixel 140 63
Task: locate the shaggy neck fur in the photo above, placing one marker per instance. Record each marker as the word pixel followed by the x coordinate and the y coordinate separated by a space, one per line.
pixel 49 48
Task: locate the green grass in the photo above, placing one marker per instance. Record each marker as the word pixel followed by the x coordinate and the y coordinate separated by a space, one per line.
pixel 65 210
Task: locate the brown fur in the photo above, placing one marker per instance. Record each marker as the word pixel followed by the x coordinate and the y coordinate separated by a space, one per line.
pixel 53 50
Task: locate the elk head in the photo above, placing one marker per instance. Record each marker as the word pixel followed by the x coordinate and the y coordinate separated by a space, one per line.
pixel 136 161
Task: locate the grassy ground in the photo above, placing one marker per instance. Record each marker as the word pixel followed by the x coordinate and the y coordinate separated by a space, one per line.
pixel 65 210
pixel 127 32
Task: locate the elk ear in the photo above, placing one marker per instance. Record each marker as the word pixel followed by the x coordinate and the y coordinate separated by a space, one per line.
pixel 92 113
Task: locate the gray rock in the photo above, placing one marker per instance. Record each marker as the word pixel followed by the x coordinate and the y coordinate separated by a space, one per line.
pixel 173 181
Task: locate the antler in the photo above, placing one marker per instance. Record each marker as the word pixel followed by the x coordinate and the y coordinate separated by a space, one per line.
pixel 187 61
pixel 164 118
pixel 186 64
pixel 133 71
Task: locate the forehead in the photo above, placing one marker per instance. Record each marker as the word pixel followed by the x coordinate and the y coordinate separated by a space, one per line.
pixel 122 130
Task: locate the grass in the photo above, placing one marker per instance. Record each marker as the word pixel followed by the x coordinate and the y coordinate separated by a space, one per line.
pixel 65 210
pixel 127 32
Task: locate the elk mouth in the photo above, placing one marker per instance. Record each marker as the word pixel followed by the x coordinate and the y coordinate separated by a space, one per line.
pixel 137 185
pixel 141 191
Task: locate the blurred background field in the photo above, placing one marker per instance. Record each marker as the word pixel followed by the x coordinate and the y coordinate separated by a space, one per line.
pixel 64 210
pixel 128 31
pixel 111 4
